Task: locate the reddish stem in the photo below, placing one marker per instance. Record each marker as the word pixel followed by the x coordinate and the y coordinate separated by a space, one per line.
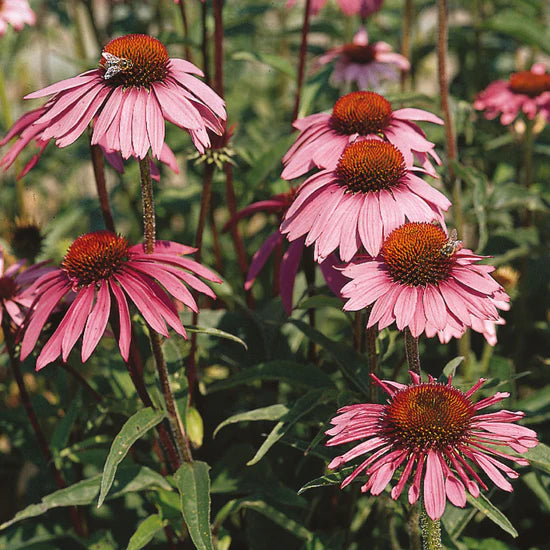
pixel 204 45
pixel 302 62
pixel 76 520
pixel 99 172
pixel 188 55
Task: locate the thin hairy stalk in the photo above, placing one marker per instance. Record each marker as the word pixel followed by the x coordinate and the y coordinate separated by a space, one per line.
pixel 309 270
pixel 302 61
pixel 176 425
pixel 98 164
pixel 408 11
pixel 216 245
pixel 357 330
pixel 187 49
pixel 235 234
pixel 411 351
pixel 76 520
pixel 431 532
pixel 217 6
pixel 371 357
pixel 204 45
pixel 413 527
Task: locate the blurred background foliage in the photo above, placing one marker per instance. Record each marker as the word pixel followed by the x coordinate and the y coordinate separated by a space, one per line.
pixel 273 398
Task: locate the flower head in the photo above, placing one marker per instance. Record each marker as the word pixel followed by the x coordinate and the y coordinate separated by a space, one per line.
pixel 366 65
pixel 14 281
pixel 17 13
pixel 370 192
pixel 435 435
pixel 426 281
pixel 135 89
pixel 527 91
pixel 102 267
pixel 291 258
pixel 363 8
pixel 356 116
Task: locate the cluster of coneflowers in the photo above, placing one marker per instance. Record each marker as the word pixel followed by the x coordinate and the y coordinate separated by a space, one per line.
pixel 377 229
pixel 378 232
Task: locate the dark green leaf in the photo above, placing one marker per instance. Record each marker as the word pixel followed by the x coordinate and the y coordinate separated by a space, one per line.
pixel 273 412
pixel 351 363
pixel 130 479
pixel 289 371
pixel 193 484
pixel 216 332
pixel 539 457
pixel 145 532
pixel 301 407
pixel 134 428
pixel 489 510
pixel 334 478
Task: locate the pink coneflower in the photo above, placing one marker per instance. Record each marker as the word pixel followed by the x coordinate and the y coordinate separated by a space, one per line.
pixel 527 91
pixel 102 267
pixel 363 8
pixel 369 193
pixel 290 262
pixel 425 281
pixel 13 282
pixel 434 433
pixel 366 65
pixel 17 13
pixel 28 132
pixel 135 89
pixel 359 115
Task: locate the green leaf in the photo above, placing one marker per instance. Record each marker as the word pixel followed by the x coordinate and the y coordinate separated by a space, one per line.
pixel 134 428
pixel 273 412
pixel 193 484
pixel 130 479
pixel 216 332
pixel 274 61
pixel 194 427
pixel 279 518
pixel 289 371
pixel 63 430
pixel 301 407
pixel 534 481
pixel 351 363
pixel 314 302
pixel 489 510
pixel 328 480
pixel 450 368
pixel 539 457
pixel 146 532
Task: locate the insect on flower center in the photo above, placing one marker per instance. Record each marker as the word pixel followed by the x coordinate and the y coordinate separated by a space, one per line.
pixel 358 53
pixel 361 113
pixel 134 60
pixel 529 83
pixel 95 256
pixel 8 288
pixel 419 254
pixel 370 165
pixel 428 416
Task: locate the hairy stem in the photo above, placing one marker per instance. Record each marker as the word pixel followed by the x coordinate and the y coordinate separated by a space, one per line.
pixel 76 520
pixel 413 527
pixel 302 61
pixel 176 425
pixel 431 532
pixel 371 357
pixel 204 45
pixel 411 350
pixel 98 164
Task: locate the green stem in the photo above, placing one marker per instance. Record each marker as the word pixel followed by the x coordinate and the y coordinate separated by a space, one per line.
pixel 302 60
pixel 176 426
pixel 529 142
pixel 411 350
pixel 431 532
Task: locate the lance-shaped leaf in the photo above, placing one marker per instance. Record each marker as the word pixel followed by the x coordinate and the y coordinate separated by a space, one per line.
pixel 273 412
pixel 193 484
pixel 134 428
pixel 488 509
pixel 146 532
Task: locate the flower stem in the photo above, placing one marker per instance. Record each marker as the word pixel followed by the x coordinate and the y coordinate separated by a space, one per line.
pixel 309 270
pixel 371 356
pixel 450 139
pixel 188 55
pixel 81 380
pixel 176 425
pixel 302 62
pixel 217 6
pixel 76 520
pixel 204 45
pixel 431 532
pixel 408 10
pixel 411 350
pixel 528 150
pixel 99 173
pixel 149 228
